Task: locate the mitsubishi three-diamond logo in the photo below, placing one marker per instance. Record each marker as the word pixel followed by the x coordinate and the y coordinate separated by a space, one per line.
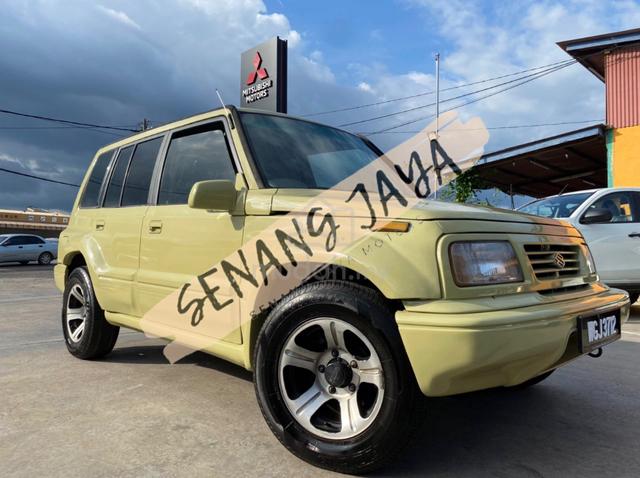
pixel 258 72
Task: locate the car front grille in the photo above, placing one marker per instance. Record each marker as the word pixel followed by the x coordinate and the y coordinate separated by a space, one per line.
pixel 553 261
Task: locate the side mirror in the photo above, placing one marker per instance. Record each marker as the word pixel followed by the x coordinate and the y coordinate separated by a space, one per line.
pixel 218 195
pixel 597 215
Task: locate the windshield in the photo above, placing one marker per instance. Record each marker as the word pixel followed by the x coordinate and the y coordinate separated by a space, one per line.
pixel 3 237
pixel 556 206
pixel 291 153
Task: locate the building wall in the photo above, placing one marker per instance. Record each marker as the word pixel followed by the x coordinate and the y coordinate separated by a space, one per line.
pixel 626 157
pixel 622 79
pixel 30 230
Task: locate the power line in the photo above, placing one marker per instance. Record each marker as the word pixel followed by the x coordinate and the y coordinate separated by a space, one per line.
pixel 28 128
pixel 58 120
pixel 524 81
pixel 426 93
pixel 33 176
pixel 415 108
pixel 499 127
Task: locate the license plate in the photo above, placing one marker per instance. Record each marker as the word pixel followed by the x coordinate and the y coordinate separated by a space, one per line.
pixel 597 330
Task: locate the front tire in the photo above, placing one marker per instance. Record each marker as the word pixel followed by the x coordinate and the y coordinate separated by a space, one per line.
pixel 332 378
pixel 633 297
pixel 87 333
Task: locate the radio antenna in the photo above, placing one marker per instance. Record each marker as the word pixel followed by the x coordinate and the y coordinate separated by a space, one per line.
pixel 220 98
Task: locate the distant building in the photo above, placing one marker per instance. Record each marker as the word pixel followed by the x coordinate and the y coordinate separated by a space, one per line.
pixel 33 221
pixel 594 157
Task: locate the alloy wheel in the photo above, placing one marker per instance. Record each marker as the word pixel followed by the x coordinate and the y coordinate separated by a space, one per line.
pixel 76 313
pixel 331 378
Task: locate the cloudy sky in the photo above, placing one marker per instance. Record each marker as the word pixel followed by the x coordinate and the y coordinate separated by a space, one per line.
pixel 117 62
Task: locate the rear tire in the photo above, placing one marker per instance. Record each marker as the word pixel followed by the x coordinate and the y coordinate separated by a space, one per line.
pixel 87 333
pixel 355 418
pixel 633 297
pixel 45 258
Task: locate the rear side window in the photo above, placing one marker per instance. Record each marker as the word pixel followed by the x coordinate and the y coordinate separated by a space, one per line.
pixel 32 240
pixel 114 189
pixel 136 187
pixel 197 154
pixel 91 193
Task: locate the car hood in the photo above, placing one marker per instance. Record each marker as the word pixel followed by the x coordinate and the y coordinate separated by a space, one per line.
pixel 285 200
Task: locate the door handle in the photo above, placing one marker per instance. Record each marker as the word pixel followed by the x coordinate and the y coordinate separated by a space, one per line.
pixel 19 247
pixel 99 225
pixel 634 234
pixel 155 227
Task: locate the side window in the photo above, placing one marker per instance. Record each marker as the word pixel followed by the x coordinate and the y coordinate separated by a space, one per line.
pixel 114 189
pixel 136 186
pixel 622 206
pixel 31 240
pixel 16 241
pixel 196 154
pixel 92 188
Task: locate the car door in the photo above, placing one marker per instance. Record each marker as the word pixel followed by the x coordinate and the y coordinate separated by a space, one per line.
pixel 117 224
pixel 33 247
pixel 615 245
pixel 13 249
pixel 178 242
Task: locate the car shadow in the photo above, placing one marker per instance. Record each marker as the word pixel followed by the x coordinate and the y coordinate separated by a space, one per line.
pixel 572 424
pixel 153 354
pixel 563 426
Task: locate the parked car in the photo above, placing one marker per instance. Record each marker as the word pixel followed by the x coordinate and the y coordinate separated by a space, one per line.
pixel 24 248
pixel 609 220
pixel 460 298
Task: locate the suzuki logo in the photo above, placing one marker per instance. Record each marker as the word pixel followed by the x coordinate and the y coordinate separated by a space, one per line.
pixel 259 72
pixel 558 260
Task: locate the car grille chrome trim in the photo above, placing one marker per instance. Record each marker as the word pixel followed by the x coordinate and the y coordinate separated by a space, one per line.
pixel 554 261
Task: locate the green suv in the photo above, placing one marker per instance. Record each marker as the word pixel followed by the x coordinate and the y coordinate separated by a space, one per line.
pixel 302 253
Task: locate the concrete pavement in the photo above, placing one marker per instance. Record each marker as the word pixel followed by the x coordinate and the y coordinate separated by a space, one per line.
pixel 133 414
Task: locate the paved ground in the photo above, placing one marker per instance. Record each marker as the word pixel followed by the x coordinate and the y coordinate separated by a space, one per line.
pixel 133 414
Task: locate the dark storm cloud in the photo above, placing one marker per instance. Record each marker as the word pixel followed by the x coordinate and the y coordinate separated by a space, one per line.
pixel 97 64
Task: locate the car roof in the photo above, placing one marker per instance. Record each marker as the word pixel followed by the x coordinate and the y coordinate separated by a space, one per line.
pixel 593 191
pixel 196 118
pixel 14 235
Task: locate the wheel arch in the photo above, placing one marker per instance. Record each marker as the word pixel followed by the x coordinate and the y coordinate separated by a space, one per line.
pixel 322 273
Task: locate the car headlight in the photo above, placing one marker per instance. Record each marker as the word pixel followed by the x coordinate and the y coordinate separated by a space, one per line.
pixel 484 262
pixel 591 263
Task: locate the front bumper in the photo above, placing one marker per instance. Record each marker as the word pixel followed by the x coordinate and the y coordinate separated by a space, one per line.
pixel 456 353
pixel 59 275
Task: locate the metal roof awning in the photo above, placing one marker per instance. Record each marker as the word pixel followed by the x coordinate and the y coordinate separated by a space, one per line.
pixel 566 162
pixel 590 51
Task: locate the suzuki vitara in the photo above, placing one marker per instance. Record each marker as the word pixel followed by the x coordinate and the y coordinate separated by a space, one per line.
pixel 175 228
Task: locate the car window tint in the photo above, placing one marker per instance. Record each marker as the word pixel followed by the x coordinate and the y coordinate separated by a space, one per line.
pixel 136 187
pixel 621 205
pixel 91 192
pixel 16 241
pixel 194 155
pixel 114 189
pixel 32 240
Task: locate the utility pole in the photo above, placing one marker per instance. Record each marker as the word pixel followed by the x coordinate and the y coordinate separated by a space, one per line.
pixel 437 93
pixel 435 136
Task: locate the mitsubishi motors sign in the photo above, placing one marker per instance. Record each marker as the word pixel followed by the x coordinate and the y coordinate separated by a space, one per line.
pixel 263 76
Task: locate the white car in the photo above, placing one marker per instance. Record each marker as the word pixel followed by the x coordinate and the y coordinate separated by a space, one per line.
pixel 24 248
pixel 609 220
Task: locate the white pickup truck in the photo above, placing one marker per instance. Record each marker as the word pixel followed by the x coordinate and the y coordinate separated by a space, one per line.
pixel 609 220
